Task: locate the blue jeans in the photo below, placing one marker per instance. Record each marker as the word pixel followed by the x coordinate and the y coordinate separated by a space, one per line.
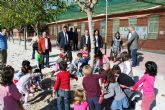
pixel 45 55
pixel 134 57
pixel 94 103
pixel 33 53
pixel 63 100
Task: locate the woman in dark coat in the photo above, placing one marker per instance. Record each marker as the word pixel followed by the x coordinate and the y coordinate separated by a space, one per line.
pixel 98 41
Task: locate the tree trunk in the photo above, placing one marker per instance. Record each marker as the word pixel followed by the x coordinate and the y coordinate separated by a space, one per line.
pixel 89 14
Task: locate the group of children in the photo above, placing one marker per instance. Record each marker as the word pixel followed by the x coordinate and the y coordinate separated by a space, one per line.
pixel 16 85
pixel 100 83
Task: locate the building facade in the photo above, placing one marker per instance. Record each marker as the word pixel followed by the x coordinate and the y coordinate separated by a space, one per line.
pixel 149 24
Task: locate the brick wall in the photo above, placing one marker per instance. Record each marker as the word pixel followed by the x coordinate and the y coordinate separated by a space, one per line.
pixel 156 44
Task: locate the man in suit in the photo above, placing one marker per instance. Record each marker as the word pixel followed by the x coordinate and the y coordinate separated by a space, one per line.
pixel 85 39
pixel 44 47
pixel 133 43
pixel 63 39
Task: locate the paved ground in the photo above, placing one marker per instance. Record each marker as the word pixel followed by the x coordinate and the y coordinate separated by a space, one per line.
pixel 16 54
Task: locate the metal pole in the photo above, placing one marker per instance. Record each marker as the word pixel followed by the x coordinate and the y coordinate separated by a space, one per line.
pixel 106 26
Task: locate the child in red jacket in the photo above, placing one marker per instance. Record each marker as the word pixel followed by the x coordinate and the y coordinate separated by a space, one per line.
pixel 62 86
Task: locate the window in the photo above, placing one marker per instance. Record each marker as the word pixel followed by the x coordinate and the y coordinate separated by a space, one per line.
pixel 153 27
pixel 115 26
pixel 82 28
pixel 102 28
pixel 132 22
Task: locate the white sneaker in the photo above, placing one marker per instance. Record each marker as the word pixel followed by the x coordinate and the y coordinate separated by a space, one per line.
pixel 26 104
pixel 31 94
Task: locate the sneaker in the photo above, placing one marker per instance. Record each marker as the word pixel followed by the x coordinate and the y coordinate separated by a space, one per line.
pixel 26 104
pixel 31 94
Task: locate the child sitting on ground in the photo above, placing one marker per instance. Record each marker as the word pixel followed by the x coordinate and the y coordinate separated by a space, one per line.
pixel 77 65
pixel 23 71
pixel 62 87
pixel 113 90
pixel 92 88
pixel 79 100
pixel 9 94
pixel 85 53
pixel 59 59
pixel 25 85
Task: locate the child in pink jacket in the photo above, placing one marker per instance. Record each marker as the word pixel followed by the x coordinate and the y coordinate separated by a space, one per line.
pixel 79 102
pixel 9 94
pixel 147 81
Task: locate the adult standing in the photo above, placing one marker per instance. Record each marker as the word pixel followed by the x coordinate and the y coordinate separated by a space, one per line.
pixel 98 41
pixel 71 38
pixel 3 48
pixel 133 43
pixel 44 47
pixel 63 39
pixel 75 39
pixel 85 40
pixel 128 46
pixel 34 44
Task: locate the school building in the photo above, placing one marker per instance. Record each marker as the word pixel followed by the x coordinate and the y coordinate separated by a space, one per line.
pixel 148 18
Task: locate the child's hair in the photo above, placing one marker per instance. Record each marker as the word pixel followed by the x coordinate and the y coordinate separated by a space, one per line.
pixel 124 56
pixel 86 46
pixel 78 96
pixel 87 70
pixel 111 78
pixel 79 55
pixel 151 68
pixel 25 63
pixel 65 58
pixel 63 65
pixel 116 70
pixel 6 75
pixel 37 71
pixel 29 69
pixel 25 66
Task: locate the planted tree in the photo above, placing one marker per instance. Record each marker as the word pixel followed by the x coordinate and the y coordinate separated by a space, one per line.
pixel 87 6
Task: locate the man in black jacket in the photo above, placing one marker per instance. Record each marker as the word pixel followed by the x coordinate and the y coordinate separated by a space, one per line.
pixel 63 39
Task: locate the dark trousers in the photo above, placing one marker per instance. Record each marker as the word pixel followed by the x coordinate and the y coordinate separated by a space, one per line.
pixel 45 55
pixel 63 100
pixel 33 52
pixel 3 57
pixel 134 57
pixel 97 49
pixel 75 45
pixel 94 103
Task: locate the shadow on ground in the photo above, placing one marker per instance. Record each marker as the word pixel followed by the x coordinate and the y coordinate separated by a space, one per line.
pixel 52 105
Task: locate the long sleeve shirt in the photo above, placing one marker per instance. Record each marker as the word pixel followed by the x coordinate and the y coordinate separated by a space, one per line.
pixel 82 106
pixel 114 90
pixel 91 84
pixel 63 80
pixel 9 97
pixel 3 41
pixel 148 84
